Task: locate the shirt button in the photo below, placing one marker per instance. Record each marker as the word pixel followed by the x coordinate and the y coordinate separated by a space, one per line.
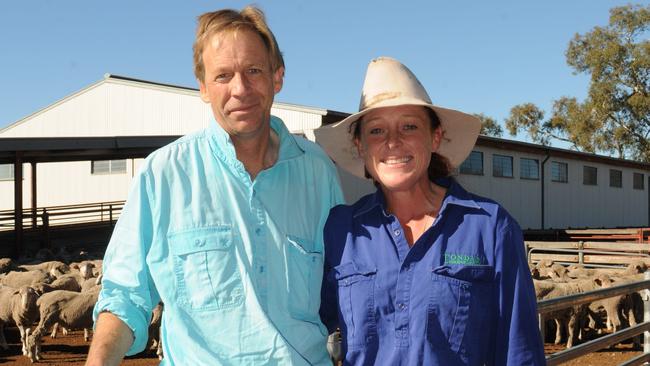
pixel 258 231
pixel 402 306
pixel 397 232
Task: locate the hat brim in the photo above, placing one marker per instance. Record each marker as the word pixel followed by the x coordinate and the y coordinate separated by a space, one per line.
pixel 460 131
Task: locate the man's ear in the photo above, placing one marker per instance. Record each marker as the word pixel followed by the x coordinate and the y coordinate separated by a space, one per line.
pixel 278 79
pixel 203 91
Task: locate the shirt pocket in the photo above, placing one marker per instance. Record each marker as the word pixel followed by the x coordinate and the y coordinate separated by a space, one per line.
pixel 459 306
pixel 305 270
pixel 206 269
pixel 356 296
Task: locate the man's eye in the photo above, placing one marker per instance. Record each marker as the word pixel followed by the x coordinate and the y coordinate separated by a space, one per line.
pixel 222 77
pixel 254 71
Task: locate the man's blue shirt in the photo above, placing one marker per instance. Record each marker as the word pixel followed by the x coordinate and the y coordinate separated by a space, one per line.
pixel 461 295
pixel 238 263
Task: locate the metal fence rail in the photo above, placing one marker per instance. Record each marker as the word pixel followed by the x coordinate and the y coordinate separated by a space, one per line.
pixel 546 306
pixel 589 254
pixel 45 217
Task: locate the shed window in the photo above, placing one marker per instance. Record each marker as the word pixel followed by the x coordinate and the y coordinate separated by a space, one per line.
pixel 638 181
pixel 559 172
pixel 108 166
pixel 615 178
pixel 529 168
pixel 502 166
pixel 6 172
pixel 473 164
pixel 589 175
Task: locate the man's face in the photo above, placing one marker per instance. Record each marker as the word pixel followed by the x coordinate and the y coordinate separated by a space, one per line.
pixel 239 83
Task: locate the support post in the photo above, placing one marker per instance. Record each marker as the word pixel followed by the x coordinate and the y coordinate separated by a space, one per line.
pixel 34 198
pixel 18 203
pixel 581 253
pixel 646 315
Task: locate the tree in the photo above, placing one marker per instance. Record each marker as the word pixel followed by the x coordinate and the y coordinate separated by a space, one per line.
pixel 489 126
pixel 614 118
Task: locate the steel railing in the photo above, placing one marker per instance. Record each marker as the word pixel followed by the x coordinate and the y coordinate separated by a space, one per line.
pixel 558 303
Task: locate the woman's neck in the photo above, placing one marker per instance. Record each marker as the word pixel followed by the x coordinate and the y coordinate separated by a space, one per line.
pixel 416 208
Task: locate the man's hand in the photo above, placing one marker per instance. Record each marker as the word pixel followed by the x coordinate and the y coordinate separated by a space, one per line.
pixel 111 340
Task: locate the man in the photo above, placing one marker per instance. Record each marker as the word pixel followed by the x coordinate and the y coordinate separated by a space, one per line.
pixel 224 226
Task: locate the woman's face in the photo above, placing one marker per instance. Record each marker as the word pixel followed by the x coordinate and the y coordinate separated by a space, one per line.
pixel 396 143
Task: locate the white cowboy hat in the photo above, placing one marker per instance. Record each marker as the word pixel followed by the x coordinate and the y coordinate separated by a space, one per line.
pixel 388 83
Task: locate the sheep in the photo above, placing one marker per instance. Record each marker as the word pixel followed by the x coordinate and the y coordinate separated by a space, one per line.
pixel 7 265
pixel 68 308
pixel 63 283
pixel 18 306
pixel 54 268
pixel 85 269
pixel 18 279
pixel 154 330
pixel 91 284
pixel 571 317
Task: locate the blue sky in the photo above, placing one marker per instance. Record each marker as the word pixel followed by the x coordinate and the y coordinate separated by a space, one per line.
pixel 476 56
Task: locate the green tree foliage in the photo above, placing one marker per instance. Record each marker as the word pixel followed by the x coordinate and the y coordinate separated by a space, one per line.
pixel 614 118
pixel 489 126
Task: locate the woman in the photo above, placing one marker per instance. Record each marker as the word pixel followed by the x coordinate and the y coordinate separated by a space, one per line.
pixel 421 272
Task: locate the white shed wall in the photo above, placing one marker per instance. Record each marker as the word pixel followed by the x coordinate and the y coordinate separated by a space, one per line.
pixel 570 204
pixel 118 108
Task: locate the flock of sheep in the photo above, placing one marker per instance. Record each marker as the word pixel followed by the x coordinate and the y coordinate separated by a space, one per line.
pixel 51 292
pixel 554 280
pixel 60 291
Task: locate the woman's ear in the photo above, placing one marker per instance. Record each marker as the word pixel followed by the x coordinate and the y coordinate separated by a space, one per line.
pixel 436 137
pixel 359 146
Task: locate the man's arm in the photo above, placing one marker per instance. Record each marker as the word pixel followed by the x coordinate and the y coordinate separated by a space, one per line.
pixel 111 340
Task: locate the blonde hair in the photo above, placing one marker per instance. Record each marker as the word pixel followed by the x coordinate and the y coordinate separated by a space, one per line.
pixel 228 20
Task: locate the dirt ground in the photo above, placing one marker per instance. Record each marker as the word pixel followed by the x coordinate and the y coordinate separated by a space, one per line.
pixel 63 350
pixel 71 350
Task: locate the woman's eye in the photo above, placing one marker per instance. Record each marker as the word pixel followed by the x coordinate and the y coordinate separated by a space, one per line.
pixel 410 127
pixel 375 131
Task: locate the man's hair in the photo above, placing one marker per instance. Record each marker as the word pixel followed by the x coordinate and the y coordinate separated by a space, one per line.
pixel 228 20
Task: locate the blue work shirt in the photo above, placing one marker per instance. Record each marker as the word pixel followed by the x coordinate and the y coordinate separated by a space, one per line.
pixel 238 263
pixel 461 295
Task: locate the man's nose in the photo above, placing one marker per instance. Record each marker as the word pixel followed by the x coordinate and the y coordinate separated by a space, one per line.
pixel 239 85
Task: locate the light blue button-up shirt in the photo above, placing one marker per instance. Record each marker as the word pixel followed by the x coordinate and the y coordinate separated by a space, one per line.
pixel 237 263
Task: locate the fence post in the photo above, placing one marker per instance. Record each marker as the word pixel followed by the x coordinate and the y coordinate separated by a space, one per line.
pixel 581 254
pixel 110 215
pixel 46 227
pixel 646 315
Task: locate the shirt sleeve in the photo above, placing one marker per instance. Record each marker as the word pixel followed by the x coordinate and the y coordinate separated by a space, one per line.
pixel 329 300
pixel 518 340
pixel 127 288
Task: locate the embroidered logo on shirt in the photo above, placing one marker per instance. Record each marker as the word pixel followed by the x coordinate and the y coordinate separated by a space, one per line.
pixel 453 258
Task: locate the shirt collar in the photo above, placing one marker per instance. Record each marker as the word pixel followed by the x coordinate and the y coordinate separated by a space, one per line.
pixel 223 146
pixel 456 195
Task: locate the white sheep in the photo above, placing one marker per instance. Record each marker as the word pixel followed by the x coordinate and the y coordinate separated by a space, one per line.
pixel 72 310
pixel 7 265
pixel 18 306
pixel 54 268
pixel 18 279
pixel 154 341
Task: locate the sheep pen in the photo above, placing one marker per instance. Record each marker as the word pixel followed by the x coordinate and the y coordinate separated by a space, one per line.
pixel 71 349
